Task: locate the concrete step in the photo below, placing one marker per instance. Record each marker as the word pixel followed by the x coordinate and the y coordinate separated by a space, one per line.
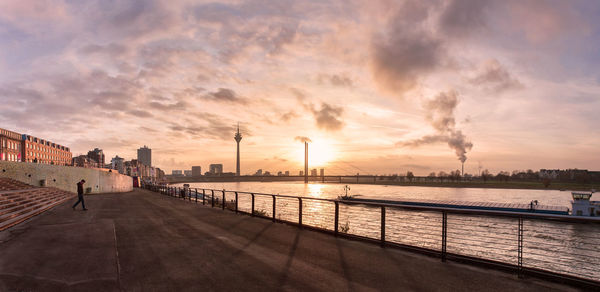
pixel 31 213
pixel 7 184
pixel 18 206
pixel 24 197
pixel 19 210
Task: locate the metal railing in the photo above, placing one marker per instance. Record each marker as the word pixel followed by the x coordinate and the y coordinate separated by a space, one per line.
pixel 558 247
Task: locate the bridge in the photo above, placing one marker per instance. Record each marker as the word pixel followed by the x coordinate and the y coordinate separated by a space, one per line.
pixel 144 241
pixel 275 178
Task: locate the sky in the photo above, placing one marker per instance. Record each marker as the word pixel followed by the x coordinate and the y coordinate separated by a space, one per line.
pixel 378 87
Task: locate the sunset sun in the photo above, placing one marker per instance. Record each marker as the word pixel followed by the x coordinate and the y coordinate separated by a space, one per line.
pixel 320 153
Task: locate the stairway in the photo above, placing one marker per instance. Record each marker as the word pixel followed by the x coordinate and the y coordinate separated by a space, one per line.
pixel 18 205
pixel 7 184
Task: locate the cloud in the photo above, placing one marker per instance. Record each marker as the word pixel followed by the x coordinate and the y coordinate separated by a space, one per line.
pixel 111 50
pixel 464 17
pixel 225 95
pixel 141 113
pixel 249 25
pixel 496 77
pixel 279 159
pixel 286 117
pixel 299 94
pixel 440 114
pixel 302 139
pixel 407 50
pixel 542 20
pixel 328 117
pixel 340 80
pixel 167 107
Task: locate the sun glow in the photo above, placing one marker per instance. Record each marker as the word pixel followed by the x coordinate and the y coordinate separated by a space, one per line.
pixel 320 153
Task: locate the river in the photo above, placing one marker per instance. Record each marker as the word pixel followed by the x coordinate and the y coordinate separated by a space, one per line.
pixel 562 247
pixel 332 191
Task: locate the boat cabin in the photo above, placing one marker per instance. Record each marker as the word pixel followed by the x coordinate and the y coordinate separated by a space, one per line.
pixel 582 206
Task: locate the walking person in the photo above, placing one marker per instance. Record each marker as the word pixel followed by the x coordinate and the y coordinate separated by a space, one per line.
pixel 80 195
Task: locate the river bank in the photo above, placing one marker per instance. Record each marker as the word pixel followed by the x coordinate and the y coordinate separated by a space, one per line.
pixel 526 185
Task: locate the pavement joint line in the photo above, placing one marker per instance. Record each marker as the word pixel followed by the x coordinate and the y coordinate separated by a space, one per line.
pixel 117 257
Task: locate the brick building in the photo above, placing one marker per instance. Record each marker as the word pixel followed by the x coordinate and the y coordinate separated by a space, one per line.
pixel 10 146
pixel 43 151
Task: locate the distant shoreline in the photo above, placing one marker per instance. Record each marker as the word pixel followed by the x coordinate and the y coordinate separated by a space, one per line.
pixel 524 185
pixel 490 185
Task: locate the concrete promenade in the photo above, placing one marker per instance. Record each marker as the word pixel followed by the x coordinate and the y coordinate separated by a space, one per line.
pixel 143 241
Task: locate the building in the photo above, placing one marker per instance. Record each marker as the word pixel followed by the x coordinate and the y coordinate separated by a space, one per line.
pixel 187 172
pixel 38 150
pixel 215 169
pixel 549 173
pixel 322 172
pixel 118 164
pixel 313 172
pixel 279 173
pixel 10 146
pixel 196 171
pixel 84 161
pixel 144 155
pixel 97 155
pixel 160 174
pixel 301 173
pixel 176 173
pixel 259 172
pixel 287 173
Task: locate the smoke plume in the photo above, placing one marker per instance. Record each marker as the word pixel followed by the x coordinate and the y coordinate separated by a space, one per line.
pixel 440 114
pixel 302 139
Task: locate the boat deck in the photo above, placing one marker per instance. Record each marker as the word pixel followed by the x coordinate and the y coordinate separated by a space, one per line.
pixel 510 207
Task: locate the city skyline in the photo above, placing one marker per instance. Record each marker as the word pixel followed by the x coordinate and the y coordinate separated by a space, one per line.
pixel 503 84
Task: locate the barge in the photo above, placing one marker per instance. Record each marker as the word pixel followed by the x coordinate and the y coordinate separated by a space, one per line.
pixel 532 207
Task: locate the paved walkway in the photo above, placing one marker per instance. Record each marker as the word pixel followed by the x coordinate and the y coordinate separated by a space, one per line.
pixel 143 241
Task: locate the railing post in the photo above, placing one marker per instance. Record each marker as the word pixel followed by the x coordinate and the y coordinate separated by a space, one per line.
pixel 223 205
pixel 212 201
pixel 382 226
pixel 274 204
pixel 196 190
pixel 203 196
pixel 236 202
pixel 252 204
pixel 520 248
pixel 336 217
pixel 444 234
pixel 300 212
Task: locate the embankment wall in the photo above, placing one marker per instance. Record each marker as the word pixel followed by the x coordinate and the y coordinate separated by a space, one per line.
pixel 66 177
